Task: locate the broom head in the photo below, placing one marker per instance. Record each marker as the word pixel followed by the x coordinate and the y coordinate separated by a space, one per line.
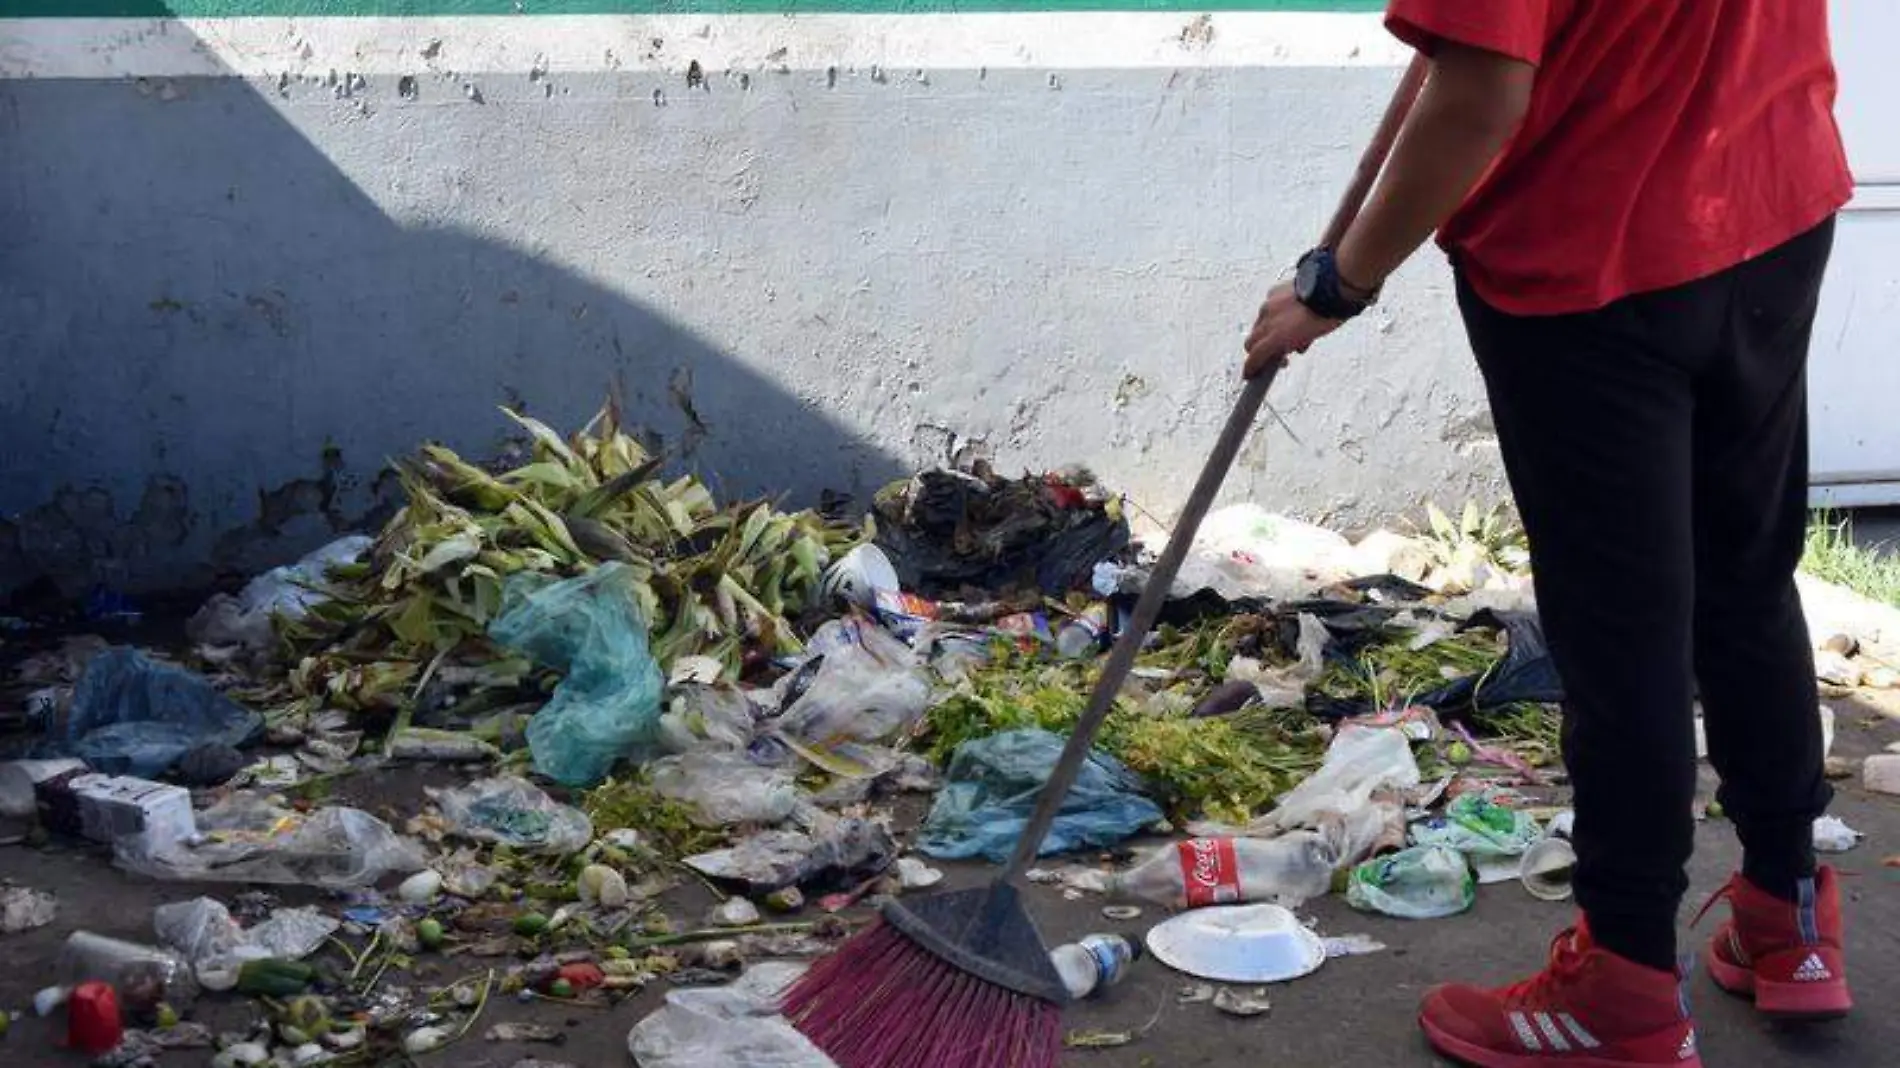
pixel 954 980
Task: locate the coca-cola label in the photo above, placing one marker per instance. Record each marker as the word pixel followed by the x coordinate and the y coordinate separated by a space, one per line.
pixel 1210 871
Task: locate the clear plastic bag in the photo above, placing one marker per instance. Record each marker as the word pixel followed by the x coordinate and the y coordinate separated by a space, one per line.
pixel 248 839
pixel 203 931
pixel 993 783
pixel 835 851
pixel 868 688
pixel 698 716
pixel 590 628
pixel 725 788
pixel 516 813
pixel 1419 884
pixel 736 1026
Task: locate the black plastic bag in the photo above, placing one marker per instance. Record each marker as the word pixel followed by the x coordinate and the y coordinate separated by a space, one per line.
pixel 1526 675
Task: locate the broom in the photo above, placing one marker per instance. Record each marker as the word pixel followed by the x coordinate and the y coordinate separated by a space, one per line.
pixel 962 979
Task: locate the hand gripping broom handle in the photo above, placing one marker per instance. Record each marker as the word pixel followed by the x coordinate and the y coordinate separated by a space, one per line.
pixel 1122 658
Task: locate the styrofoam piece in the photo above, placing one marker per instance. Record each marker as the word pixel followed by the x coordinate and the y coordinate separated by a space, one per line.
pixel 1238 944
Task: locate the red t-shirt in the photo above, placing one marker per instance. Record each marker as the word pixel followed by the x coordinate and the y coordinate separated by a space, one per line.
pixel 1665 142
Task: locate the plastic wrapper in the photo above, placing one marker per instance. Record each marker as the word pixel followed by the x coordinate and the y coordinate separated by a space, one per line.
pixel 736 1026
pixel 248 620
pixel 516 813
pixel 992 788
pixel 868 688
pixel 23 908
pixel 132 715
pixel 1418 884
pixel 835 852
pixel 248 839
pixel 608 705
pixel 725 788
pixel 1476 826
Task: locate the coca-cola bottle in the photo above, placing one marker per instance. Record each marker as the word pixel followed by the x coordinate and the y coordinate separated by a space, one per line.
pixel 1288 870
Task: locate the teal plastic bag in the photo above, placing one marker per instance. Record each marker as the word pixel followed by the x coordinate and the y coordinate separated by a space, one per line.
pixel 1419 884
pixel 992 787
pixel 589 628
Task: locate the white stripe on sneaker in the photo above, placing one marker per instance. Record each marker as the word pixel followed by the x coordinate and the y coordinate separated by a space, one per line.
pixel 1583 1037
pixel 1549 1027
pixel 1525 1034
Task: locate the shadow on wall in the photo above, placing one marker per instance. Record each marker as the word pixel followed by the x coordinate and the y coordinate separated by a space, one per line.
pixel 211 340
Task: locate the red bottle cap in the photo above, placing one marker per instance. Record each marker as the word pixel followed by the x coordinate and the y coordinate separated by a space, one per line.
pixel 92 1019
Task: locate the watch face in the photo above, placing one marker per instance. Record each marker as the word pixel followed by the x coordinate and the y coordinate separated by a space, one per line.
pixel 1306 278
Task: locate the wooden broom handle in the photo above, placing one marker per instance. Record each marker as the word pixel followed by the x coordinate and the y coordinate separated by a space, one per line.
pixel 1121 659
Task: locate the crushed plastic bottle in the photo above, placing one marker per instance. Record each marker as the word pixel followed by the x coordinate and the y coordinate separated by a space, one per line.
pixel 1094 964
pixel 1289 870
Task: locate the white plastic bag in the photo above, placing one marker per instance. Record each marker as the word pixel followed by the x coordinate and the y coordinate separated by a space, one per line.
pixel 735 1026
pixel 246 621
pixel 1244 551
pixel 1360 761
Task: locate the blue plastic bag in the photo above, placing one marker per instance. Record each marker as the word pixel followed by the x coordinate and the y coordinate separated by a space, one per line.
pixel 132 715
pixel 992 788
pixel 589 628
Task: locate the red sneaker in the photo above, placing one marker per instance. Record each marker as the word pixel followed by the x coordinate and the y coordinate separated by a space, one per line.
pixel 1785 955
pixel 1589 1008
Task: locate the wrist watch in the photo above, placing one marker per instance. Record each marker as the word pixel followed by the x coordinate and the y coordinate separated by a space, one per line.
pixel 1318 286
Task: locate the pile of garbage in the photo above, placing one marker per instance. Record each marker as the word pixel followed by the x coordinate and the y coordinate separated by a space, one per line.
pixel 626 696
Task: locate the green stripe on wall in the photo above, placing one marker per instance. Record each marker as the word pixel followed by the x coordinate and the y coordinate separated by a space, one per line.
pixel 315 8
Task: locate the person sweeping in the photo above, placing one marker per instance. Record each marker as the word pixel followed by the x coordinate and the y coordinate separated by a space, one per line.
pixel 1638 202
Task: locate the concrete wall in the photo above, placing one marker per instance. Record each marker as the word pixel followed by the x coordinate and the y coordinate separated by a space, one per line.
pixel 245 259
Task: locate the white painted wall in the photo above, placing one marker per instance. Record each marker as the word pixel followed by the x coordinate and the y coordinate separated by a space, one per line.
pixel 232 252
pixel 1855 367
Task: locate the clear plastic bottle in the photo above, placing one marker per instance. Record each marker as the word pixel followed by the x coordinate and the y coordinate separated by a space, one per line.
pixel 1095 963
pixel 1288 870
pixel 1082 635
pixel 142 975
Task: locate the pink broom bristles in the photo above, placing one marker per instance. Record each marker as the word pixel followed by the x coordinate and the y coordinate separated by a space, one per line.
pixel 883 1001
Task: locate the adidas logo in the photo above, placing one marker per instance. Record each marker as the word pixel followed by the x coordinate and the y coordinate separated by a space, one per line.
pixel 1686 1051
pixel 1812 970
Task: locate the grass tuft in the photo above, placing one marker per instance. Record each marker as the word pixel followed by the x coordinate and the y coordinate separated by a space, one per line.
pixel 1833 556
